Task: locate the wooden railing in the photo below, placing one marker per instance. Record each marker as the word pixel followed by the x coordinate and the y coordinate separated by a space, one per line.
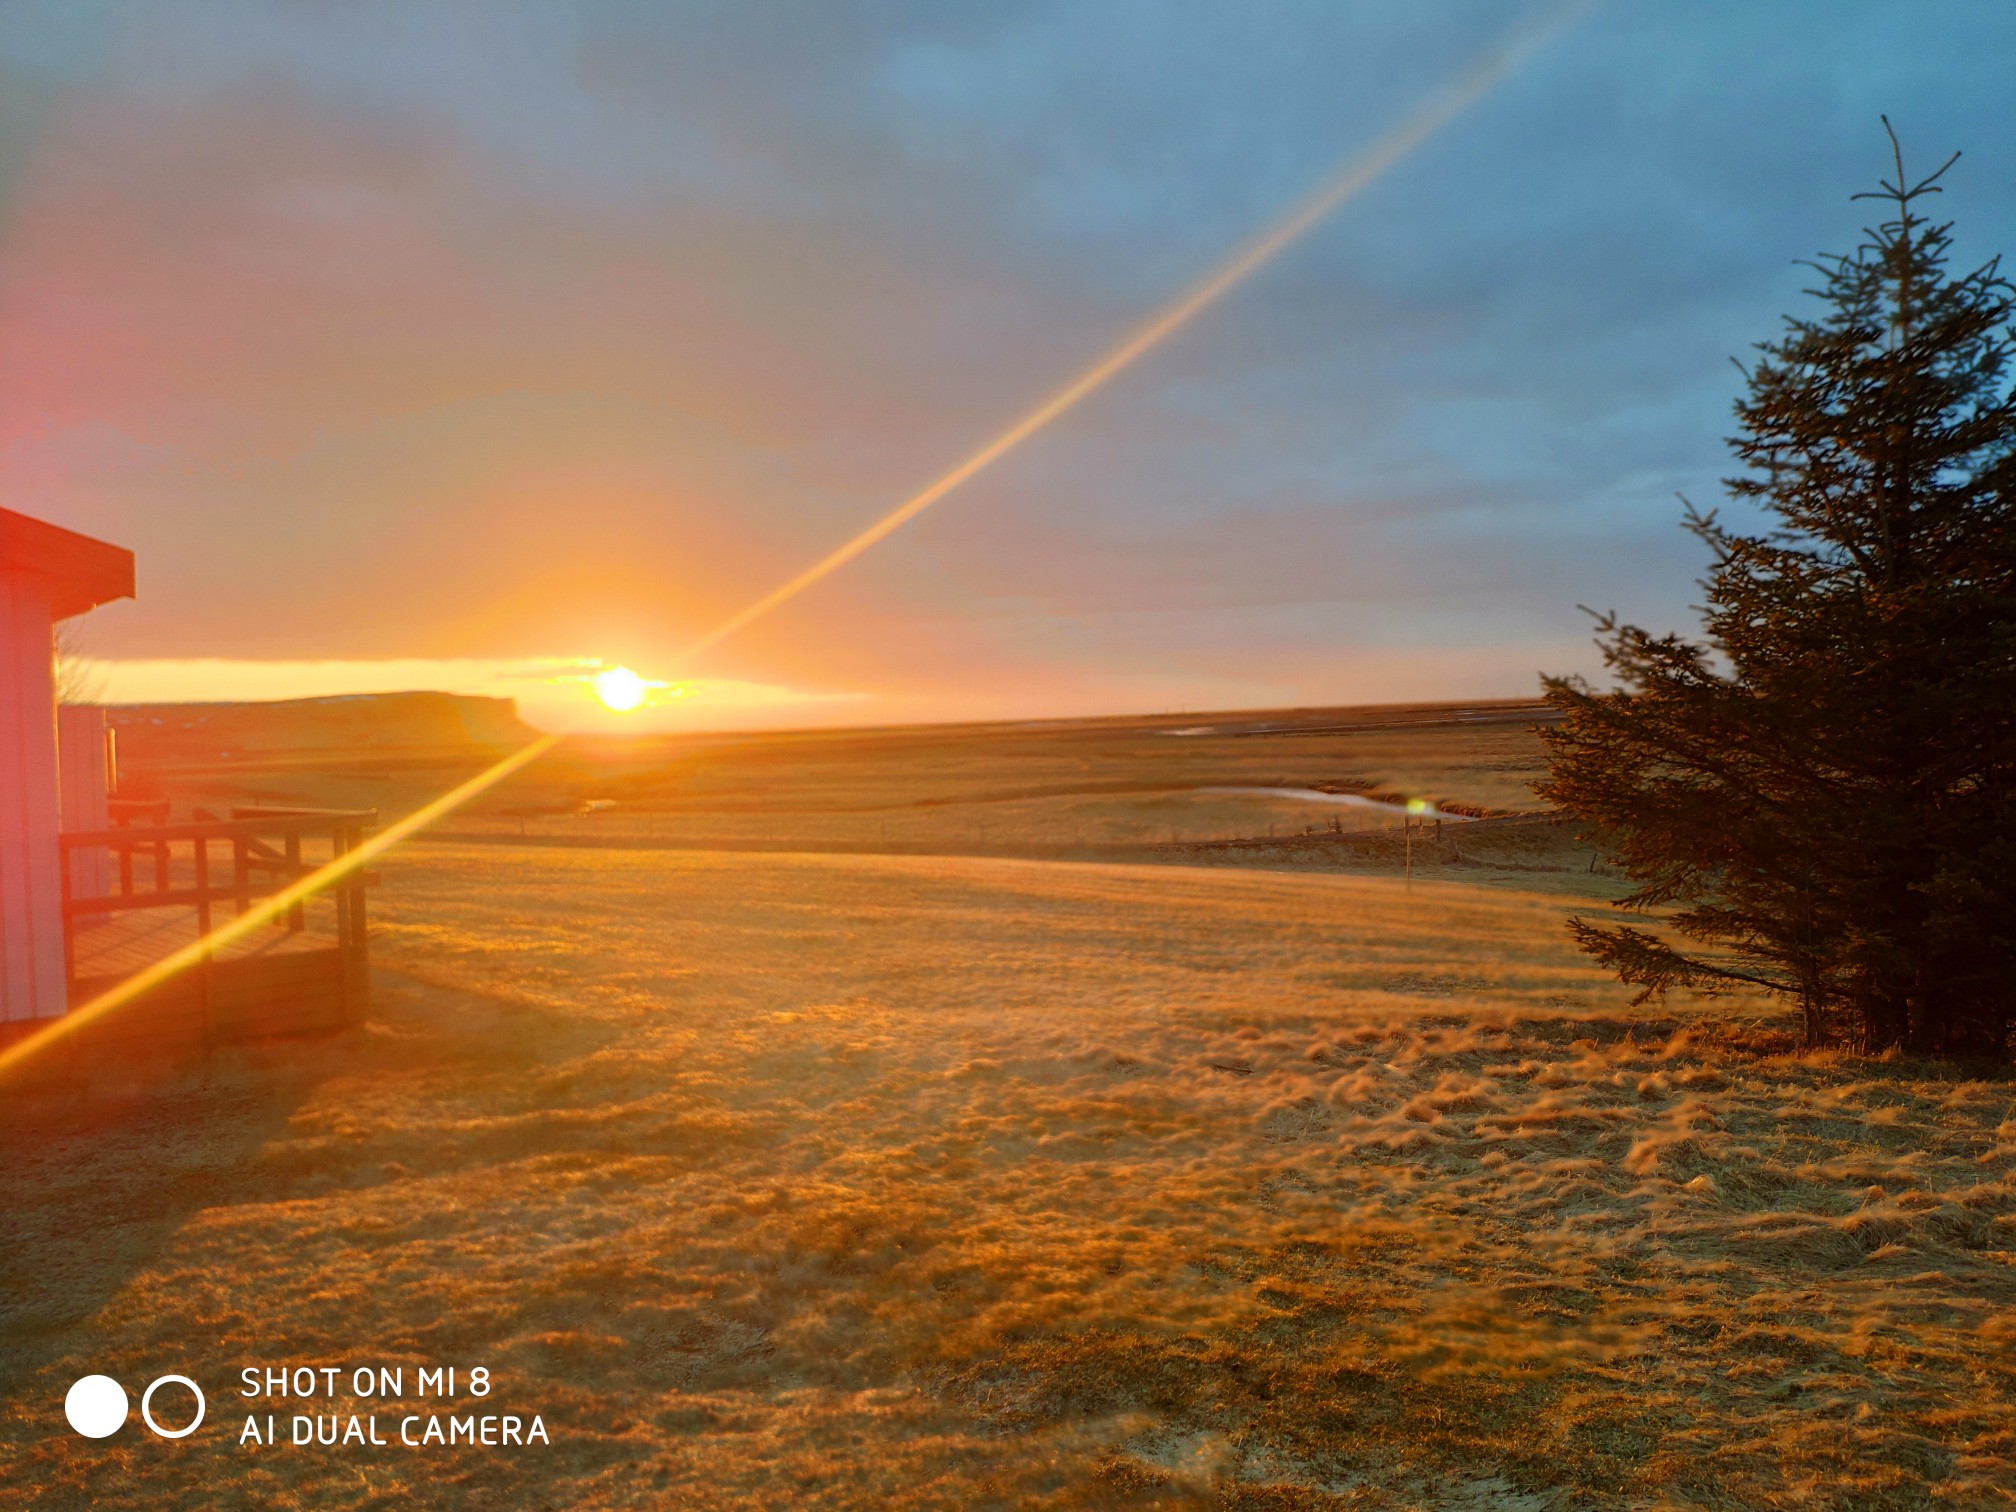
pixel 258 852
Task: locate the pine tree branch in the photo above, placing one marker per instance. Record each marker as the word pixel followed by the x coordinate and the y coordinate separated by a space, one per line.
pixel 1643 960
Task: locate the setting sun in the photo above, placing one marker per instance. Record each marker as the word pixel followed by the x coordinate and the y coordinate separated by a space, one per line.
pixel 621 689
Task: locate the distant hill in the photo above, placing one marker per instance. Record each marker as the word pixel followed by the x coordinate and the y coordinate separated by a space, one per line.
pixel 383 722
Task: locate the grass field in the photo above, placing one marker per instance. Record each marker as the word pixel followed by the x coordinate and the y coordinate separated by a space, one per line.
pixel 1113 788
pixel 778 1178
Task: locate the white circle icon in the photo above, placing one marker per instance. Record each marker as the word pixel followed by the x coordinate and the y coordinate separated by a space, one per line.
pixel 147 1399
pixel 96 1406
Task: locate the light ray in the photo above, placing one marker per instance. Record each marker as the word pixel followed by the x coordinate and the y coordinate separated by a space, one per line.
pixel 1358 173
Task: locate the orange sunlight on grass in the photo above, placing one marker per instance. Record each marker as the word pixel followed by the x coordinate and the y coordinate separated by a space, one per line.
pixel 797 1180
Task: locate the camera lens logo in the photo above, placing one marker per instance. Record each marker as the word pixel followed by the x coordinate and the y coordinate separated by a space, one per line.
pixel 96 1406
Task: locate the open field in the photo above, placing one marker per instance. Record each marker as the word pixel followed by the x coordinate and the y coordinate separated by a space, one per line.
pixel 830 1180
pixel 803 1171
pixel 1117 789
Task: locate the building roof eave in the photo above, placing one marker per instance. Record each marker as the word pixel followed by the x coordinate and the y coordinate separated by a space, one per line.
pixel 78 572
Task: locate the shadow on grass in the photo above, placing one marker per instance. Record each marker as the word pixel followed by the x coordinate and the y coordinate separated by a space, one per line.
pixel 102 1166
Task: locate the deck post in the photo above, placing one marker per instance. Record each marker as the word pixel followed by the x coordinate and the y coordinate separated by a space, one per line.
pixel 202 884
pixel 351 841
pixel 296 916
pixel 356 949
pixel 241 874
pixel 346 1011
pixel 337 850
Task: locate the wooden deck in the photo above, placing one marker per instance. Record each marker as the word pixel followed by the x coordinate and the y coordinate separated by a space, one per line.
pixel 276 981
pixel 307 971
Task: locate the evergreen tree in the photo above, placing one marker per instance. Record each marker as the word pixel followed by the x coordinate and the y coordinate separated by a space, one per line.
pixel 1821 796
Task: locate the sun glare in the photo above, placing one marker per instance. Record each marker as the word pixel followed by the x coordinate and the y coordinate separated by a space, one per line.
pixel 620 689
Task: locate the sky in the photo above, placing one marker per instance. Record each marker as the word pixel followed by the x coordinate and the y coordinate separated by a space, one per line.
pixel 485 347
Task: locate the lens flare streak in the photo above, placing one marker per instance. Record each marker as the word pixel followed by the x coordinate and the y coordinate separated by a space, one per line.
pixel 1358 173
